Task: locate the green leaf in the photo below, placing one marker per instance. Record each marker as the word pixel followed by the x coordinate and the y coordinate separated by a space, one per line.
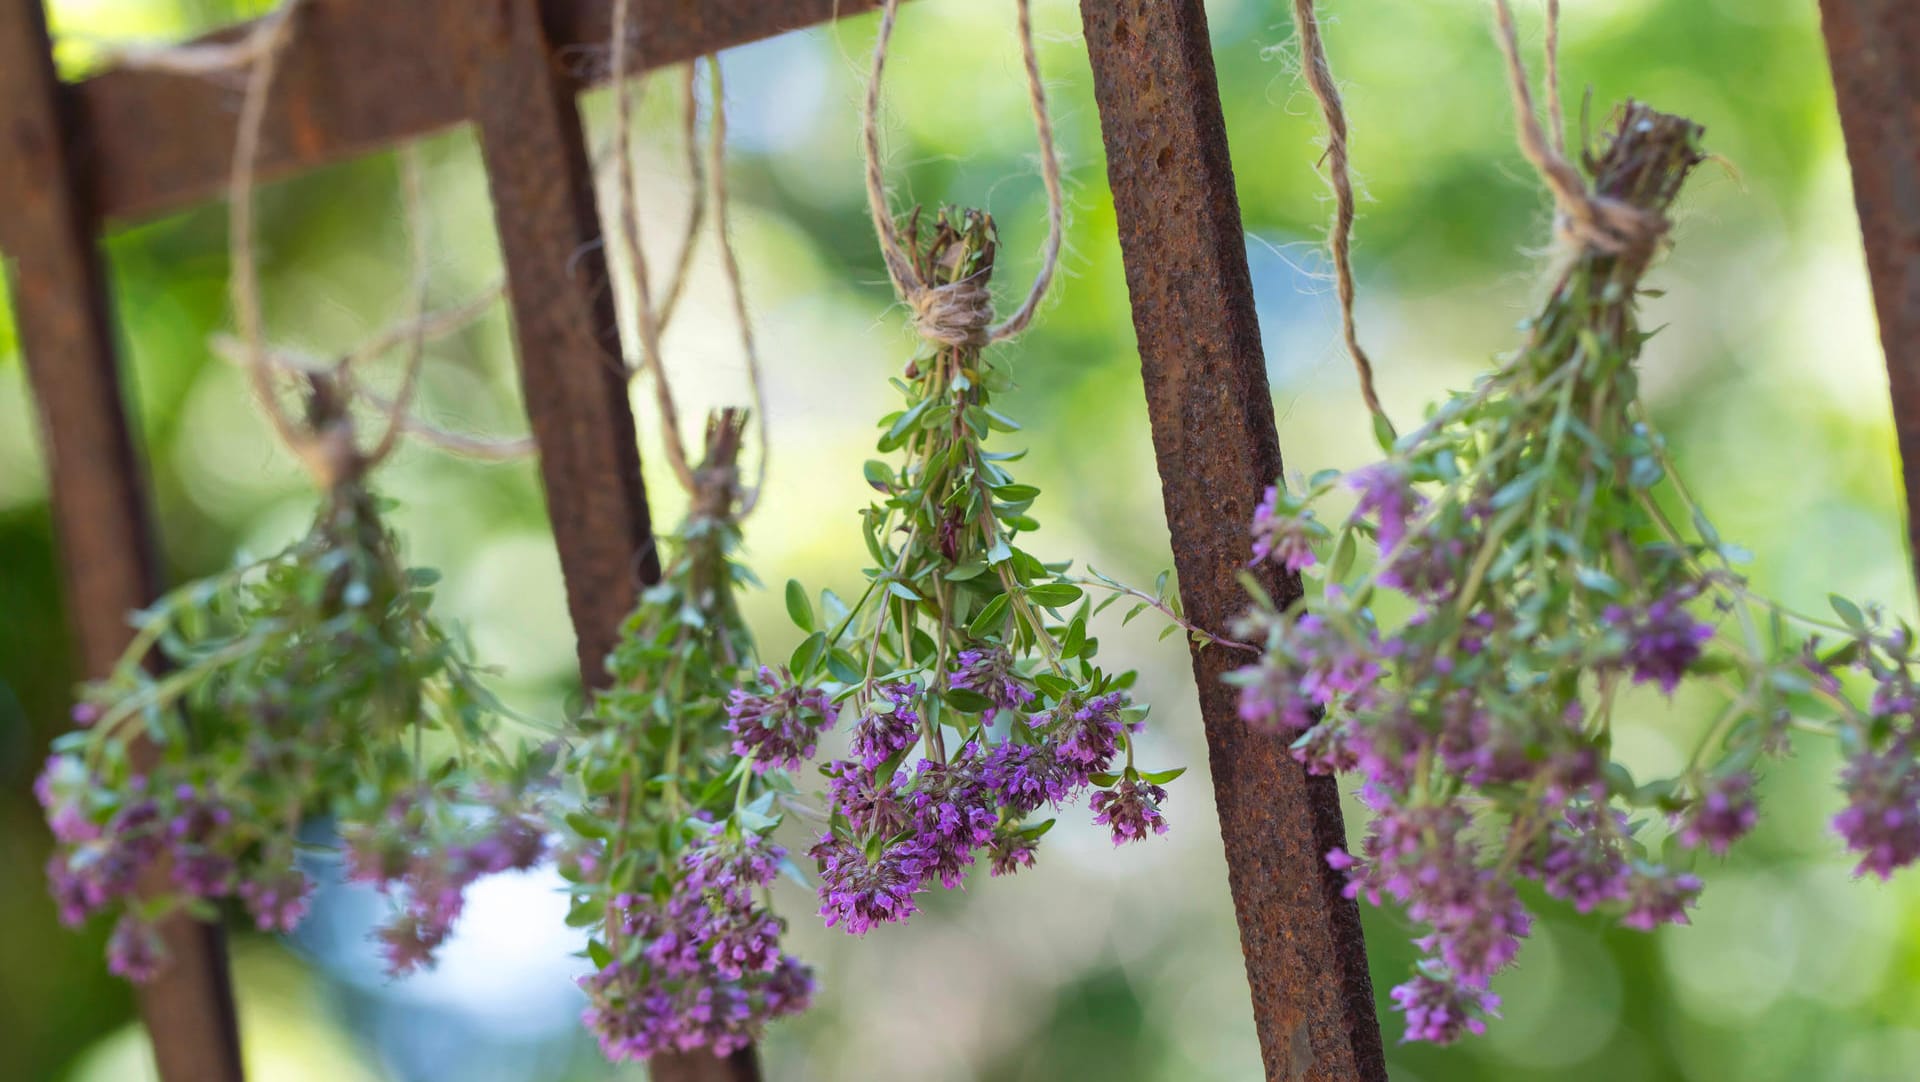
pixel 1848 612
pixel 1052 595
pixel 1162 777
pixel 1343 557
pixel 598 952
pixel 968 702
pixel 879 475
pixel 798 606
pixel 972 569
pixel 1383 432
pixel 990 619
pixel 808 654
pixel 1016 493
pixel 902 591
pixel 1000 553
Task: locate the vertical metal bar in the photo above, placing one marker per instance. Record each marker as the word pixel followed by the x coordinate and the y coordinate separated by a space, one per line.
pixel 99 498
pixel 570 361
pixel 1874 48
pixel 1214 439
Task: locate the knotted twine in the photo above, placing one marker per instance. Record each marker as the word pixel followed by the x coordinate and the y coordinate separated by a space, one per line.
pixel 959 315
pixel 1583 218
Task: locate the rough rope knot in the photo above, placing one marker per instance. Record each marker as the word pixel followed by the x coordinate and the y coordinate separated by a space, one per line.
pixel 958 314
pixel 1607 225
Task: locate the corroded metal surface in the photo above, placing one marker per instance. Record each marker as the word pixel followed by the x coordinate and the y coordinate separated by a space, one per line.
pixel 361 75
pixel 1874 46
pixel 1213 434
pixel 571 370
pixel 99 495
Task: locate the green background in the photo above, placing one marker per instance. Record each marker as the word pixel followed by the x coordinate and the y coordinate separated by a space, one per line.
pixel 1098 964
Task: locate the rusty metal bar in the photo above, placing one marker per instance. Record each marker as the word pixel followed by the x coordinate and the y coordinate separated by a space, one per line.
pixel 99 495
pixel 1214 439
pixel 1874 48
pixel 361 75
pixel 571 367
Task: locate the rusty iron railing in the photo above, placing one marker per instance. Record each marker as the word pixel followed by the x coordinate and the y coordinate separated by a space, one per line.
pixel 364 74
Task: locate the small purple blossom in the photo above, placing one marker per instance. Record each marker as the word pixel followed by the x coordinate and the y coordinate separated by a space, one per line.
pixel 1723 814
pixel 134 951
pixel 870 805
pixel 1281 538
pixel 779 724
pixel 887 731
pixel 1387 498
pixel 989 670
pixel 1439 1011
pixel 861 890
pixel 1025 776
pixel 1130 810
pixel 1089 736
pixel 1656 896
pixel 1663 640
pixel 1881 822
pixel 1012 850
pixel 277 901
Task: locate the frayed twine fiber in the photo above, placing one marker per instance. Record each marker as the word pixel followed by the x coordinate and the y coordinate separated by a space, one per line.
pixel 1318 73
pixel 960 314
pixel 1582 218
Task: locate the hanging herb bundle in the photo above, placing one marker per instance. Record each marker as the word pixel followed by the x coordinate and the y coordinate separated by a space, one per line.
pixel 310 686
pixel 967 659
pixel 959 649
pixel 1537 558
pixel 674 773
pixel 677 769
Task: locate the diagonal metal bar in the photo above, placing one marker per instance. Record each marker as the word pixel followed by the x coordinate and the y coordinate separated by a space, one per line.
pixel 1874 47
pixel 99 495
pixel 1214 438
pixel 571 367
pixel 361 75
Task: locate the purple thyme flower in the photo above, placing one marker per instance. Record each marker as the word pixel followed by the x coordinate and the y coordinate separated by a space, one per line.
pixel 407 943
pixel 1881 821
pixel 887 731
pixel 134 951
pixel 1656 896
pixel 1439 1010
pixel 277 900
pixel 989 670
pixel 1130 810
pixel 1663 640
pixel 780 724
pixel 1025 776
pixel 1723 814
pixel 871 806
pixel 1012 850
pixel 1089 736
pixel 61 788
pixel 1580 860
pixel 863 890
pixel 512 843
pixel 953 814
pixel 1284 539
pixel 1271 695
pixel 1386 496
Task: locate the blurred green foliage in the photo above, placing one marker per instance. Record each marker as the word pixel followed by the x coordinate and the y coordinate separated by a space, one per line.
pixel 1097 964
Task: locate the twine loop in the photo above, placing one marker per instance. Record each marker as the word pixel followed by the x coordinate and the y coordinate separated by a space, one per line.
pixel 960 315
pixel 1583 218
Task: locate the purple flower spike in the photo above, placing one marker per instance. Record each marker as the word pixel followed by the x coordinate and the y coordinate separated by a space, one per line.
pixel 1439 1011
pixel 1131 810
pixel 1723 814
pixel 1282 539
pixel 779 724
pixel 862 892
pixel 1386 497
pixel 1881 821
pixel 989 670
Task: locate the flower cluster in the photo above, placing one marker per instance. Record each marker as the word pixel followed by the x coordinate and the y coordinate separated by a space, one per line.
pixel 299 688
pixel 1527 575
pixel 705 969
pixel 672 780
pixel 967 660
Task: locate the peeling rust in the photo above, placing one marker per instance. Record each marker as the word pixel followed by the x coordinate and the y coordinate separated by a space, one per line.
pixel 1214 439
pixel 100 505
pixel 1874 47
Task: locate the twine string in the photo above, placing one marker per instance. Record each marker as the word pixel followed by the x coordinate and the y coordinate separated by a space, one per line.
pixel 736 288
pixel 1318 72
pixel 1583 218
pixel 960 314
